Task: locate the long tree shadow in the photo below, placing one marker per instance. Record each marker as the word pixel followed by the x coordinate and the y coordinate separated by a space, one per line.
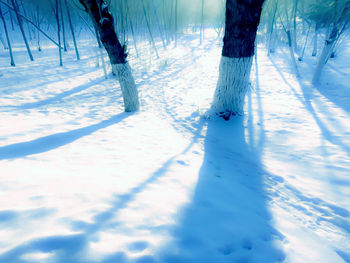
pixel 56 98
pixel 338 91
pixel 228 219
pixel 306 99
pixel 51 142
pixel 73 247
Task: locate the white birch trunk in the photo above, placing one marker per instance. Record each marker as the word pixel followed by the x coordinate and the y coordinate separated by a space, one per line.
pixel 127 84
pixel 232 86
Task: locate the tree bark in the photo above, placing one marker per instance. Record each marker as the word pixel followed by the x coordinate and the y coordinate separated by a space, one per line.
pixel 103 21
pixel 242 20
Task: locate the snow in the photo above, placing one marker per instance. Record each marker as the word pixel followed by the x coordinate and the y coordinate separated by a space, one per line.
pixel 82 181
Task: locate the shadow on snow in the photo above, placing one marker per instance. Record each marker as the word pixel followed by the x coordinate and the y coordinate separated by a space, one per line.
pixel 51 142
pixel 228 219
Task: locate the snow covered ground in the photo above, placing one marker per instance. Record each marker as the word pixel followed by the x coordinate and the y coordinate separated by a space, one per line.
pixel 81 181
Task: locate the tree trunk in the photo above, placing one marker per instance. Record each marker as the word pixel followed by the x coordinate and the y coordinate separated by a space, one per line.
pixel 242 20
pixel 7 37
pixel 294 36
pixel 100 53
pixel 158 23
pixel 314 51
pixel 20 23
pixel 31 22
pixel 291 53
pixel 337 30
pixel 58 32
pixel 38 29
pixel 63 26
pixel 72 30
pixel 103 20
pixel 328 47
pixel 25 14
pixel 149 29
pixel 11 18
pixel 270 30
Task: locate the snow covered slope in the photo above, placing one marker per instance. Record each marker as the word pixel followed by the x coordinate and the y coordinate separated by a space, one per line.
pixel 81 181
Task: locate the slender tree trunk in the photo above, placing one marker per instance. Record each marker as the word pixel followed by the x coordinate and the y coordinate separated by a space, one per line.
pixel 58 32
pixel 328 47
pixel 38 29
pixel 301 57
pixel 31 22
pixel 7 37
pixel 11 18
pixel 292 53
pixel 103 20
pixel 242 20
pixel 270 30
pixel 149 28
pixel 63 26
pixel 337 29
pixel 294 36
pixel 25 14
pixel 100 53
pixel 72 30
pixel 20 23
pixel 158 23
pixel 314 51
pixel 132 30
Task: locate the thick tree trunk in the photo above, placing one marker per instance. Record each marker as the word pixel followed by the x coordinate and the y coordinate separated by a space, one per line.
pixel 103 21
pixel 242 20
